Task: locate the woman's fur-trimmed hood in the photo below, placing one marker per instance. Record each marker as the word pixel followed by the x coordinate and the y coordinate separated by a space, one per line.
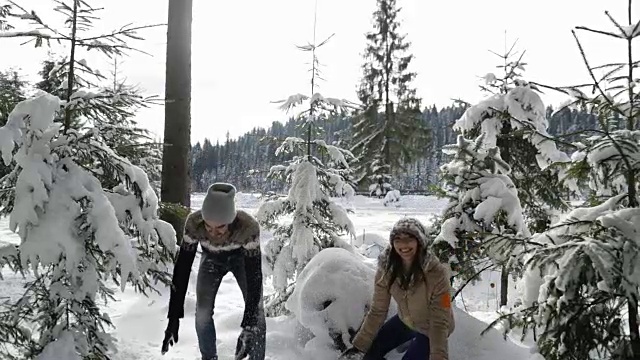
pixel 415 228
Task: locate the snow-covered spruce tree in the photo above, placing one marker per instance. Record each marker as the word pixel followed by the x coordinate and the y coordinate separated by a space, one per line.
pixel 116 120
pixel 484 214
pixel 317 221
pixel 388 134
pixel 76 235
pixel 513 120
pixel 123 134
pixel 581 288
pixel 12 91
pixel 87 218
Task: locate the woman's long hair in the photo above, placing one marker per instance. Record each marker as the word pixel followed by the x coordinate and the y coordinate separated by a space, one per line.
pixel 395 268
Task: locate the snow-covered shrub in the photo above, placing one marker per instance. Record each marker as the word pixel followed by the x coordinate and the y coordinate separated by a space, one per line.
pixel 380 179
pixel 332 296
pixel 62 348
pixel 76 236
pixel 391 197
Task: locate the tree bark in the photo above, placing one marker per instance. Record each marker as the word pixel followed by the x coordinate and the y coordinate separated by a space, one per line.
pixel 176 159
pixel 504 145
pixel 504 286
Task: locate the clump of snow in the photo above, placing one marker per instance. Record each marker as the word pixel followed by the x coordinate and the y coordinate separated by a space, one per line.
pixel 466 342
pixel 631 31
pixel 336 153
pixel 490 78
pixel 370 244
pixel 524 110
pixel 62 348
pixel 317 100
pixel 392 196
pixel 84 93
pixel 332 294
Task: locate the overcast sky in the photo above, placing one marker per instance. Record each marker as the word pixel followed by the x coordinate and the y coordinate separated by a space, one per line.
pixel 244 53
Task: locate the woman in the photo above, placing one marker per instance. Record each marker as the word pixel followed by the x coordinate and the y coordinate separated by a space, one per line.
pixel 420 285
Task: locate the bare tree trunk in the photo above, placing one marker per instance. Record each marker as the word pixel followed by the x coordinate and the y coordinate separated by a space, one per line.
pixel 176 159
pixel 505 152
pixel 504 286
pixel 72 66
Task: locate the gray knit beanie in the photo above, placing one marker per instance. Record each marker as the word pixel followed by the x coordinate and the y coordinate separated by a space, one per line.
pixel 219 204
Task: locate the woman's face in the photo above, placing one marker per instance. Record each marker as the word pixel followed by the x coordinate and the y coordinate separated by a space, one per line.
pixel 406 246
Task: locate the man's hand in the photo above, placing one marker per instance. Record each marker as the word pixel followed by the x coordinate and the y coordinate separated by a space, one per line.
pixel 246 342
pixel 170 335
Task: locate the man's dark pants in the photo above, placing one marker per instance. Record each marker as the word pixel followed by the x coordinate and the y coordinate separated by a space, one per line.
pixel 213 267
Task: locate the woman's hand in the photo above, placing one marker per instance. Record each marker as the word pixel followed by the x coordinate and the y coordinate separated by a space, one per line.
pixel 351 353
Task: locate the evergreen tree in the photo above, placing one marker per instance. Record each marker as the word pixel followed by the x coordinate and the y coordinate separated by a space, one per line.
pixel 51 80
pixel 257 149
pixel 385 142
pixel 12 91
pixel 484 214
pixel 581 283
pixel 122 133
pixel 86 216
pixel 317 221
pixel 512 120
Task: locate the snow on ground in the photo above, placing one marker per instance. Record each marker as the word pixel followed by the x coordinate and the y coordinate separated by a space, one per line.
pixel 140 321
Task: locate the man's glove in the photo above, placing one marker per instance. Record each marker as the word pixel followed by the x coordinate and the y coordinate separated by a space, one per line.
pixel 171 334
pixel 246 342
pixel 351 353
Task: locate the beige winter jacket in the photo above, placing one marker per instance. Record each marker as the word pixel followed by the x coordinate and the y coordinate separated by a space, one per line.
pixel 425 306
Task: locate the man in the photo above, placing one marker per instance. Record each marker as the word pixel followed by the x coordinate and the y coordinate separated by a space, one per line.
pixel 230 241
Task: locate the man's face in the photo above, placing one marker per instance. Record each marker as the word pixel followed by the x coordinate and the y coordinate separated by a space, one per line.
pixel 215 229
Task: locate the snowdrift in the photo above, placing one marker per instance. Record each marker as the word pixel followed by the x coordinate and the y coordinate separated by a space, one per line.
pixel 467 343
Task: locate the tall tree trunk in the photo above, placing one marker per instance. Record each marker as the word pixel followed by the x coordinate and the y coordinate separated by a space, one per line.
pixel 504 286
pixel 504 144
pixel 176 159
pixel 72 65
